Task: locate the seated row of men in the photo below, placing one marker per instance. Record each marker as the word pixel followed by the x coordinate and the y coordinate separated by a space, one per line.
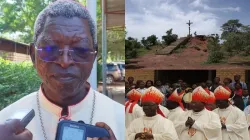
pixel 146 119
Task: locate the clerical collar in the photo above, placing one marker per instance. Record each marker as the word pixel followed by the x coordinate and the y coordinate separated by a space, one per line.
pixel 57 110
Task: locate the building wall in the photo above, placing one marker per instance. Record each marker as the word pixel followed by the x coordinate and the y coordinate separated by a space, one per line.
pixel 149 74
pixel 140 74
pixel 18 57
pixel 230 74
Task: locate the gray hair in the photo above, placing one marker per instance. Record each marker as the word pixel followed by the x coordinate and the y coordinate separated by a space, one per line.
pixel 65 8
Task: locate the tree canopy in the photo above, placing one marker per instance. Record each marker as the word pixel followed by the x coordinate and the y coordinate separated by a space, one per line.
pixel 18 17
pixel 170 37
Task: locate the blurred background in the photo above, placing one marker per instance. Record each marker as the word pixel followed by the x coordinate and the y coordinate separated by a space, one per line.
pixel 17 75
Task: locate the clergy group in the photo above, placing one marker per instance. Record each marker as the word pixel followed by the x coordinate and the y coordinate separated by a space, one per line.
pixel 190 114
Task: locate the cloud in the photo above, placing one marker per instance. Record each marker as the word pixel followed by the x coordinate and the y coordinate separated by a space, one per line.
pixel 202 4
pixel 156 18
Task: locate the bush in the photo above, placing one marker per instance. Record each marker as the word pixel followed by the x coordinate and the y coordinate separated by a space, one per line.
pixel 16 81
pixel 247 50
pixel 215 57
pixel 99 72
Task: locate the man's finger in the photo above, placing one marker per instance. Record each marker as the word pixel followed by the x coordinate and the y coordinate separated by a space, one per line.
pixel 15 125
pixel 25 135
pixel 104 125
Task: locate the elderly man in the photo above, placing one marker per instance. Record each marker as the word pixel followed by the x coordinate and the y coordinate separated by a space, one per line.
pixel 63 54
pixel 198 123
pixel 233 120
pixel 152 126
pixel 132 109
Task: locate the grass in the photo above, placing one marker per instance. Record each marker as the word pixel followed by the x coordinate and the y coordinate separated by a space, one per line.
pixel 144 51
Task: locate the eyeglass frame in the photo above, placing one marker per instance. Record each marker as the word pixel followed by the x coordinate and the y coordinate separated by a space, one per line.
pixel 60 50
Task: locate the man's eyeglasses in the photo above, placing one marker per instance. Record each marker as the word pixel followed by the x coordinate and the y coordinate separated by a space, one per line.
pixel 77 54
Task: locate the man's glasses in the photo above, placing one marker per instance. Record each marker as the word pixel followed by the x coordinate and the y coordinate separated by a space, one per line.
pixel 78 54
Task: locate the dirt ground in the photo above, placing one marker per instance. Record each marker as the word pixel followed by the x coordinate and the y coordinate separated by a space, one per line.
pixel 191 57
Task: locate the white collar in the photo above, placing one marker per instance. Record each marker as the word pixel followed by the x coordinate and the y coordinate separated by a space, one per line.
pixel 55 109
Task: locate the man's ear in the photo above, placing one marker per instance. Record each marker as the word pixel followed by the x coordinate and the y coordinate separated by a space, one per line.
pixel 32 53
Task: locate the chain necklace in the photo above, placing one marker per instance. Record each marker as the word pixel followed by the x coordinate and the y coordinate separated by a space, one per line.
pixel 41 119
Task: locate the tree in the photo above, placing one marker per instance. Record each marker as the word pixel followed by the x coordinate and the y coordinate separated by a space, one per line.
pixel 236 36
pixel 18 16
pixel 144 42
pixel 215 55
pixel 152 40
pixel 169 38
pixel 231 26
pixel 131 46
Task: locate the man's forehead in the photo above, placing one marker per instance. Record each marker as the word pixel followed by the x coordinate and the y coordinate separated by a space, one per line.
pixel 64 21
pixel 56 28
pixel 73 25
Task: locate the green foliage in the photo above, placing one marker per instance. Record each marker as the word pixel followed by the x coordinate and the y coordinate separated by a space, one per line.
pixel 215 55
pixel 152 40
pixel 247 50
pixel 234 42
pixel 115 43
pixel 149 42
pixel 169 38
pixel 213 44
pixel 99 72
pixel 236 36
pixel 19 16
pixel 144 42
pixel 131 47
pixel 16 81
pixel 231 26
pixel 183 46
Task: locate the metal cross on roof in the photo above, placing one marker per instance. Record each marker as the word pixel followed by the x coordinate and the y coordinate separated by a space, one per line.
pixel 189 23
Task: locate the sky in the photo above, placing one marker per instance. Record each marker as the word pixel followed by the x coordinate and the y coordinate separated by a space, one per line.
pixel 147 17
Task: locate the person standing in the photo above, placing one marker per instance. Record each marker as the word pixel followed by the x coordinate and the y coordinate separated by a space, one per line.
pixel 132 109
pixel 131 81
pixel 237 80
pixel 151 126
pixel 233 120
pixel 141 87
pixel 149 83
pixel 175 106
pixel 216 83
pixel 198 123
pixel 245 97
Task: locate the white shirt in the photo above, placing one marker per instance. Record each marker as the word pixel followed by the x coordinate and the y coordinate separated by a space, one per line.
pixel 141 90
pixel 236 123
pixel 162 128
pixel 136 113
pixel 106 110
